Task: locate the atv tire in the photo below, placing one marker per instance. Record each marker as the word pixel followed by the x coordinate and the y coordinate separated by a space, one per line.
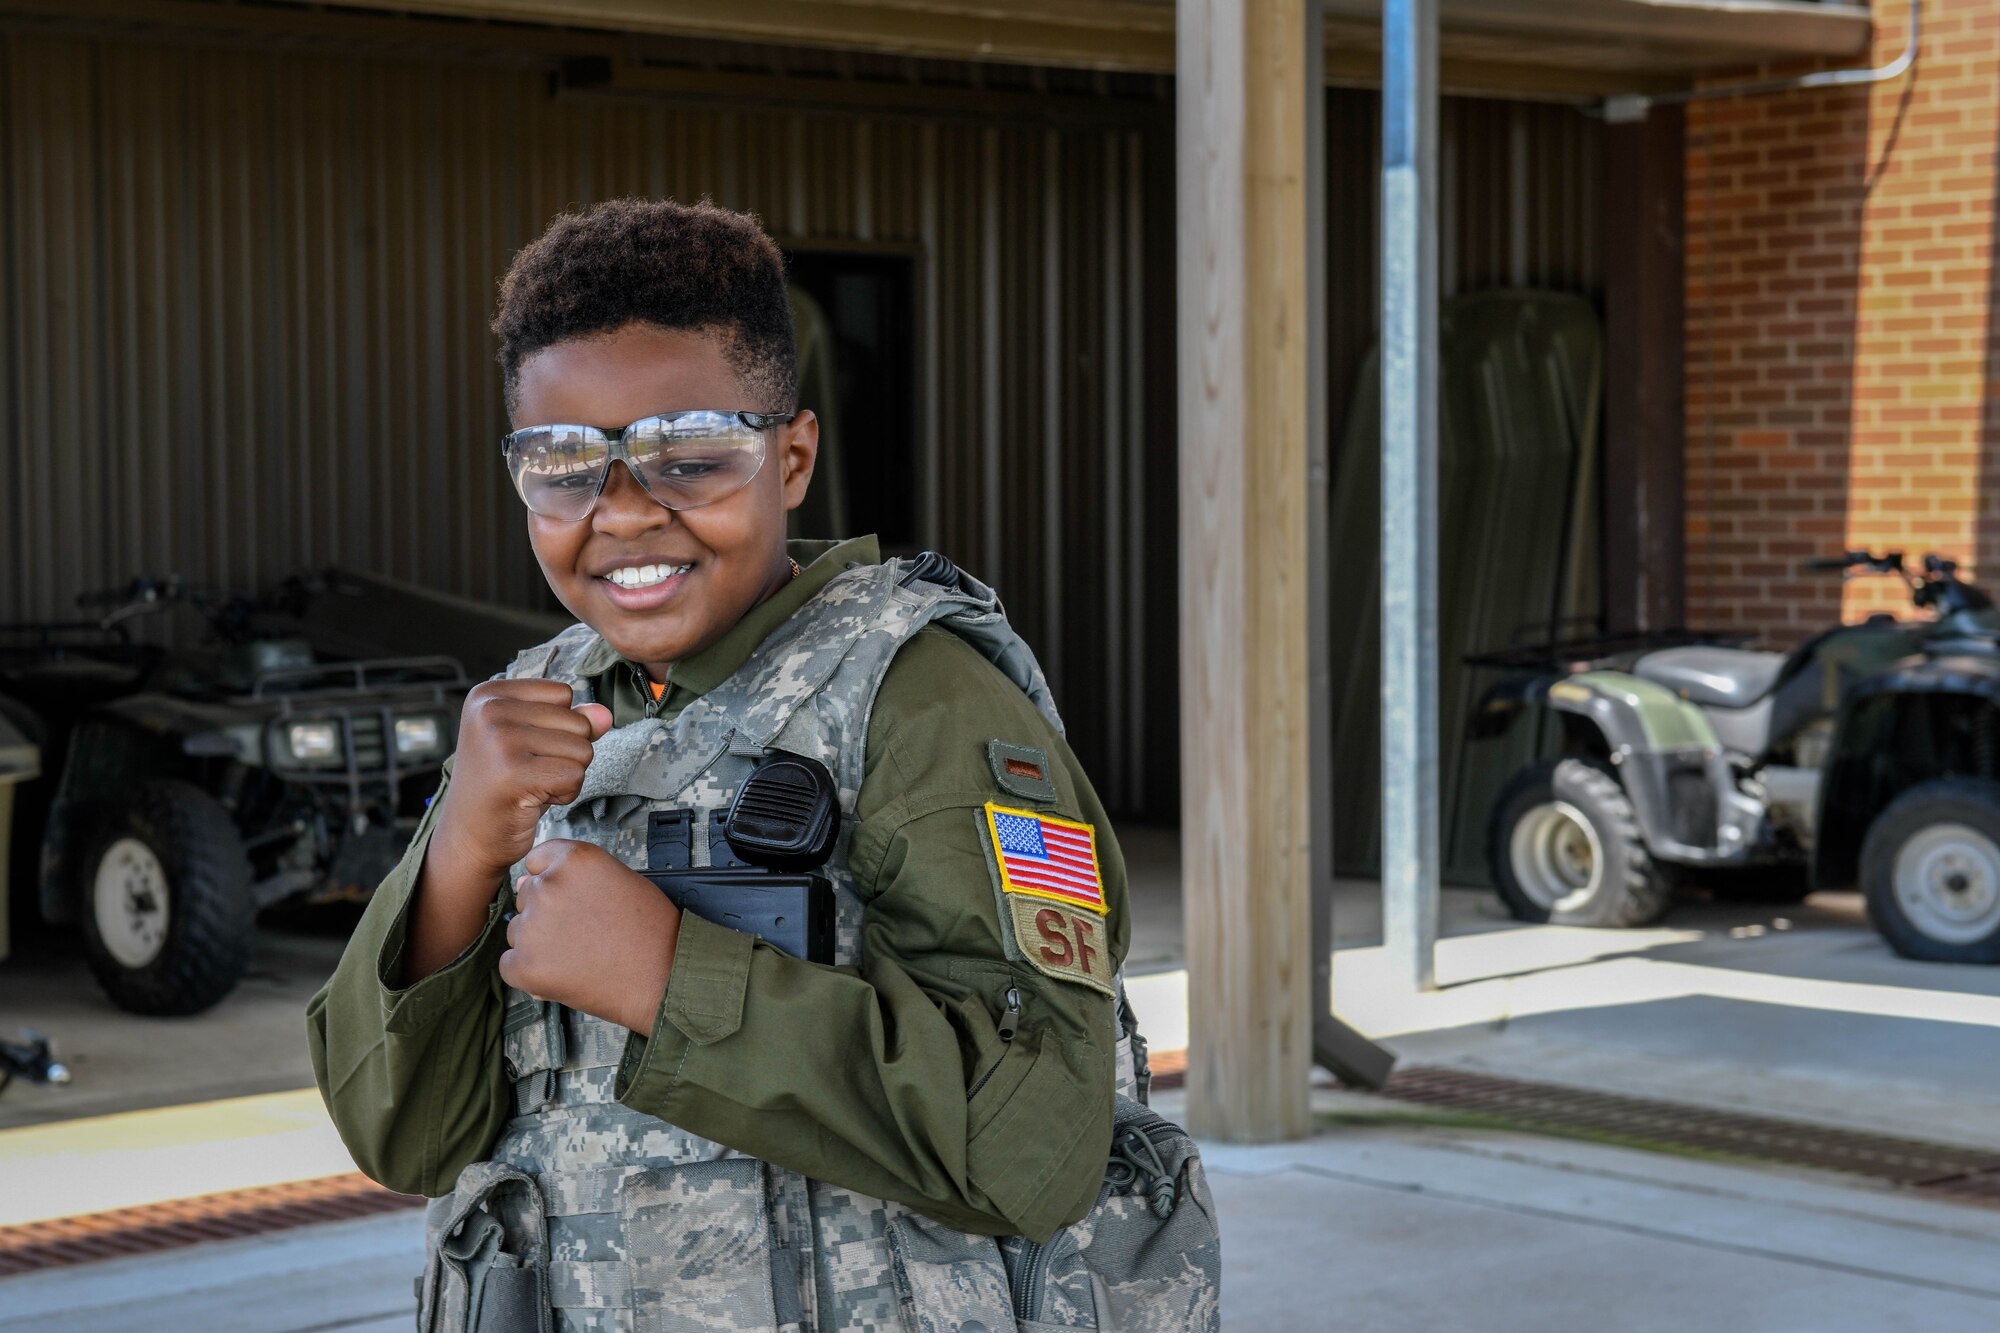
pixel 1564 847
pixel 1930 868
pixel 164 895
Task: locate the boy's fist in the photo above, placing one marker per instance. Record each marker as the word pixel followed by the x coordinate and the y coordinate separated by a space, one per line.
pixel 522 747
pixel 590 933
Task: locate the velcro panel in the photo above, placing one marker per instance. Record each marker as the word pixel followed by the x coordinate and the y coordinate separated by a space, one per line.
pixel 592 1043
pixel 576 1284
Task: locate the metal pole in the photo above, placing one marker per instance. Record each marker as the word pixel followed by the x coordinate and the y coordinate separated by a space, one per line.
pixel 1409 489
pixel 1350 1056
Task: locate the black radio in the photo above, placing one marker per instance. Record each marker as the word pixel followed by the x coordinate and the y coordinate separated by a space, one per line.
pixel 763 852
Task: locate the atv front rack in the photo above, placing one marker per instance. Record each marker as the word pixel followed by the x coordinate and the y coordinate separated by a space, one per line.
pixel 40 636
pixel 382 673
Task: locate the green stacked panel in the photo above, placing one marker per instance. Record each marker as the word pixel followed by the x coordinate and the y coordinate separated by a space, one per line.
pixel 1519 384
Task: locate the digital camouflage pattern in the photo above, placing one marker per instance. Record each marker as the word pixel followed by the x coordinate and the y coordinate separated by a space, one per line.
pixel 646 1228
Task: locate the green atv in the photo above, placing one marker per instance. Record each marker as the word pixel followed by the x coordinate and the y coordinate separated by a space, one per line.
pixel 181 792
pixel 1869 755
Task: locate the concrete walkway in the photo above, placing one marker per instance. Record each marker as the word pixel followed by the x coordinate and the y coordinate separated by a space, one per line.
pixel 1376 1227
pixel 1797 1011
pixel 1385 1222
pixel 1390 1230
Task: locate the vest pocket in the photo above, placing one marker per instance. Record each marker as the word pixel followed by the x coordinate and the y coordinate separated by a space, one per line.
pixel 1154 1249
pixel 488 1257
pixel 948 1281
pixel 700 1247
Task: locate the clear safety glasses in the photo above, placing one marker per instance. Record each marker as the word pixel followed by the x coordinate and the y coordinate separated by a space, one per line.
pixel 684 460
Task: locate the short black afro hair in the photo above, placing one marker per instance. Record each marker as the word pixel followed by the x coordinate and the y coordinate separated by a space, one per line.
pixel 679 266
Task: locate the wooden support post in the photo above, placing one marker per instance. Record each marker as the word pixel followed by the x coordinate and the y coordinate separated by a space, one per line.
pixel 1242 90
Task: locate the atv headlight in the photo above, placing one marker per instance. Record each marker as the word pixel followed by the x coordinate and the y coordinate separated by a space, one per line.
pixel 313 742
pixel 418 736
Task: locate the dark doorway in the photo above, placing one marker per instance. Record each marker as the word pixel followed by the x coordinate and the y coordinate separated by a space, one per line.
pixel 869 452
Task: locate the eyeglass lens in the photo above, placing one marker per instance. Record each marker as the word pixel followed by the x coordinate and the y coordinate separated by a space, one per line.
pixel 683 462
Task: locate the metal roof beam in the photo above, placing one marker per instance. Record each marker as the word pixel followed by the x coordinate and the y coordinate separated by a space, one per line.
pixel 1617 43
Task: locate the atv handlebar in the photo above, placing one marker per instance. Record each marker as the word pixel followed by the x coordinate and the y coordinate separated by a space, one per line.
pixel 1936 587
pixel 1889 562
pixel 228 614
pixel 138 590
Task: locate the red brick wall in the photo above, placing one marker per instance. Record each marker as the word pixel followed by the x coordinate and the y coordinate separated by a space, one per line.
pixel 1839 372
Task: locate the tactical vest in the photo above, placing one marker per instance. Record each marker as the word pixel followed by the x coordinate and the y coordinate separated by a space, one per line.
pixel 589 1216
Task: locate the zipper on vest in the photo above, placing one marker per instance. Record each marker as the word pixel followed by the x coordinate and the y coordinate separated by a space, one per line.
pixel 1010 1023
pixel 1135 1159
pixel 1030 1273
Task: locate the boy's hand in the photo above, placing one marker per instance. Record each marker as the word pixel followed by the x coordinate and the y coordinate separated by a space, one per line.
pixel 522 747
pixel 590 933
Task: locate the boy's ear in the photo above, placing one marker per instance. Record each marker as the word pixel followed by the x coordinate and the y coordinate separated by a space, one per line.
pixel 798 453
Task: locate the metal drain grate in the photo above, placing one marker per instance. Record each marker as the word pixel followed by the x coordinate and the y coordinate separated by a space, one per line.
pixel 1937 1170
pixel 61 1241
pixel 1982 1188
pixel 1969 1175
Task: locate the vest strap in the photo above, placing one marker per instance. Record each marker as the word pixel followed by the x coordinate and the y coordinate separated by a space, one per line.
pixel 575 1193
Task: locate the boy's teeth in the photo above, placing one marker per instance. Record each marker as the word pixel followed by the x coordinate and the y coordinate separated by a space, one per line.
pixel 644 576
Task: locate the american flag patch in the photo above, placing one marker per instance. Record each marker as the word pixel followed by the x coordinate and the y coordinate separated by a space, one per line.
pixel 1046 857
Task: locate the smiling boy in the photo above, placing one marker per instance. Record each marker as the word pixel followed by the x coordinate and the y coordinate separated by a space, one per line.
pixel 636 1118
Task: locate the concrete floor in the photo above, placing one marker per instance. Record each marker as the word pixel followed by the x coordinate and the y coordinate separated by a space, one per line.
pixel 1403 1230
pixel 1384 1222
pixel 1799 1010
pixel 254 1041
pixel 1389 1228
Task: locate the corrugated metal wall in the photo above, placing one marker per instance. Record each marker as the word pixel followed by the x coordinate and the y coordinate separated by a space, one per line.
pixel 1519 201
pixel 249 296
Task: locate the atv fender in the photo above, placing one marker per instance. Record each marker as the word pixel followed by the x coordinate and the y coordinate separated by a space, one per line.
pixel 1927 718
pixel 117 747
pixel 1669 762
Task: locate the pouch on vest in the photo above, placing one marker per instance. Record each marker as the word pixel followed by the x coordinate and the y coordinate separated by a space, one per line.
pixel 1147 1256
pixel 948 1281
pixel 488 1270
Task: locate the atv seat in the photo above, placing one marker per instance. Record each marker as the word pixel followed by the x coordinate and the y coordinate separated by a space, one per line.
pixel 1714 677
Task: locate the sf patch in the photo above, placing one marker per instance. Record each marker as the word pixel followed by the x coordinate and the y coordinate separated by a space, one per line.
pixel 1062 942
pixel 1051 893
